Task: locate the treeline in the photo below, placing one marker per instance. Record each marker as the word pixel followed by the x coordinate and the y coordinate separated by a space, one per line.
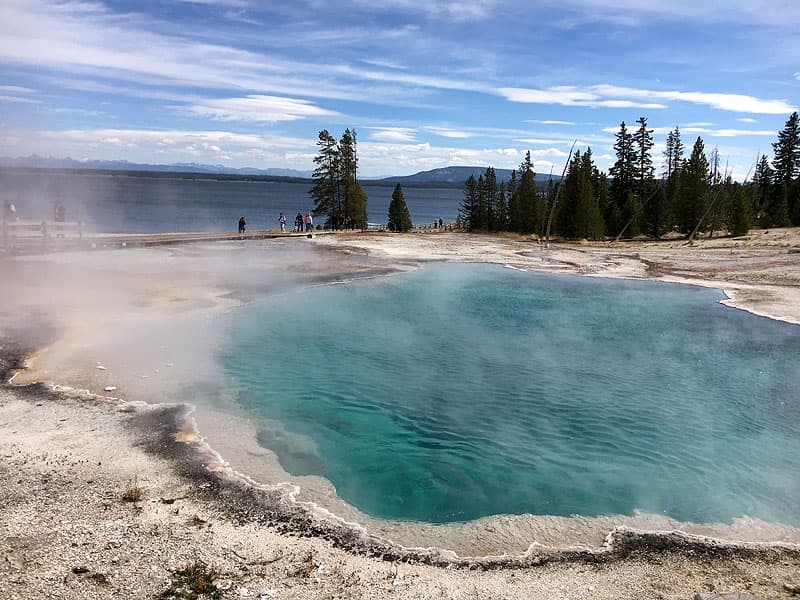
pixel 336 192
pixel 694 193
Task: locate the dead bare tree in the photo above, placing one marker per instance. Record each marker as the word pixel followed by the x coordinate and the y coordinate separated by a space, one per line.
pixel 558 194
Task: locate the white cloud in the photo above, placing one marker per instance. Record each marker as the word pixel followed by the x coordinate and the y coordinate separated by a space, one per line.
pixel 240 16
pixel 550 122
pixel 747 120
pixel 19 100
pixel 778 13
pixel 16 89
pixel 233 3
pixel 612 96
pixel 535 141
pixel 720 101
pixel 258 108
pixel 457 10
pixel 570 96
pixel 564 95
pixel 385 64
pixel 449 133
pixel 173 138
pixel 411 158
pixel 548 152
pixel 393 134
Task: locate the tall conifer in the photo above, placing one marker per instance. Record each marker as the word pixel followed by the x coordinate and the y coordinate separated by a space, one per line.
pixel 643 139
pixel 693 193
pixel 399 217
pixel 623 175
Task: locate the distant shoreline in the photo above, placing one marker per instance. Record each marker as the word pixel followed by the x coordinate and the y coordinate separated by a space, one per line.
pixel 211 176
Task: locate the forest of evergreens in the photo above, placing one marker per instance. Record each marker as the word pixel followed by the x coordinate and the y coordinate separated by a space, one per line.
pixel 693 194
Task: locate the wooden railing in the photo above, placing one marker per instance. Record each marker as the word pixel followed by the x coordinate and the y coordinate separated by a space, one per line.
pixel 435 227
pixel 17 232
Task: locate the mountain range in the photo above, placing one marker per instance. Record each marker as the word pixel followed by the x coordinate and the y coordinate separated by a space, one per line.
pixel 446 176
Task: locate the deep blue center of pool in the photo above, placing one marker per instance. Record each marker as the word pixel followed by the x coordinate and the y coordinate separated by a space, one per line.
pixel 460 391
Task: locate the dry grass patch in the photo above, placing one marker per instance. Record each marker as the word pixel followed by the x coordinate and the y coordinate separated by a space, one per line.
pixel 133 491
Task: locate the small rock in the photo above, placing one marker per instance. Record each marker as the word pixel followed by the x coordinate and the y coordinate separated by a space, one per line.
pixel 81 570
pixel 243 592
pixel 110 388
pixel 793 589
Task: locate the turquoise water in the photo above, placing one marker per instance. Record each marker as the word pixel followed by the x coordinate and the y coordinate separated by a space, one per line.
pixel 461 391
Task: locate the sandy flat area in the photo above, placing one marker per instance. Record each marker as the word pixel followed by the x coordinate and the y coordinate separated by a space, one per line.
pixel 130 327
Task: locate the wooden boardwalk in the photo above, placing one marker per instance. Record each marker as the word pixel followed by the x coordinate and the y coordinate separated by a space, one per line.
pixel 30 238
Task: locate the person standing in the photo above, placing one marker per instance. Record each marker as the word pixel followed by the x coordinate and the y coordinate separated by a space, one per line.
pixel 310 223
pixel 10 212
pixel 242 226
pixel 298 223
pixel 282 221
pixel 60 217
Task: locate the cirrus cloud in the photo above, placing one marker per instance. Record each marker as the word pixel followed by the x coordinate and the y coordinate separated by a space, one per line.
pixel 259 107
pixel 612 96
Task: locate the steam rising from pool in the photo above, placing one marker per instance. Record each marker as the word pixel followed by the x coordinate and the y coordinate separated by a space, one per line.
pixel 462 391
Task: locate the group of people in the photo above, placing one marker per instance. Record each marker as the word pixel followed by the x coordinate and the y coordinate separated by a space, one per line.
pixel 302 222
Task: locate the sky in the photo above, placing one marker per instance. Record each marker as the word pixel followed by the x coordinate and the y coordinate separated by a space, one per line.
pixel 425 83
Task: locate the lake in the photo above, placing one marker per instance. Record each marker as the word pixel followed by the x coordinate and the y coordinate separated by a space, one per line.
pixel 113 203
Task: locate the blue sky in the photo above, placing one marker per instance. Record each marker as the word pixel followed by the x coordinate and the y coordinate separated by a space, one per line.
pixel 426 84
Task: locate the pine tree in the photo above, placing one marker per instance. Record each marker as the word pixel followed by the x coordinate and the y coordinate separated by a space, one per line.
pixel 489 217
pixel 399 217
pixel 677 151
pixel 511 200
pixel 787 170
pixel 567 207
pixel 355 199
pixel 337 192
pixel 589 222
pixel 655 214
pixel 720 194
pixel 787 152
pixel 326 192
pixel 631 213
pixel 779 209
pixel 693 193
pixel 763 192
pixel 740 213
pixel 501 218
pixel 578 212
pixel 675 162
pixel 623 175
pixel 469 205
pixel 669 148
pixel 526 206
pixel 643 139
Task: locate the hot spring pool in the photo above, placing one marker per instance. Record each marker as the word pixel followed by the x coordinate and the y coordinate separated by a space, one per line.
pixel 461 391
